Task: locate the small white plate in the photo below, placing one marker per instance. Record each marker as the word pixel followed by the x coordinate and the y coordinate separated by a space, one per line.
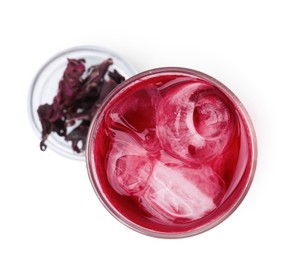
pixel 45 87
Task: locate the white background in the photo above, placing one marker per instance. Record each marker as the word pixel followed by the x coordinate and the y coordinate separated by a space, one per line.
pixel 48 209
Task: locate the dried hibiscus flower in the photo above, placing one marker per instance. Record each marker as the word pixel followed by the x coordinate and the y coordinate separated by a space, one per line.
pixel 79 95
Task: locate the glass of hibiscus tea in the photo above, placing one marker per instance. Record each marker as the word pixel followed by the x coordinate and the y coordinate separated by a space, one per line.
pixel 171 152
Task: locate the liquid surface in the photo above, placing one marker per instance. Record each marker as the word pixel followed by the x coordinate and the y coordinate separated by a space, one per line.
pixel 169 151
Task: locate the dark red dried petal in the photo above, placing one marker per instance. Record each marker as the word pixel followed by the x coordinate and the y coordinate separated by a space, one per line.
pixel 107 87
pixel 114 75
pixel 95 77
pixel 44 112
pixel 78 136
pixel 76 101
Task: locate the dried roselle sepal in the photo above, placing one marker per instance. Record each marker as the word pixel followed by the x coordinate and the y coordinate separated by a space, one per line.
pixel 51 116
pixel 95 76
pixel 114 75
pixel 90 92
pixel 77 100
pixel 68 88
pixel 106 88
pixel 58 126
pixel 97 73
pixel 78 136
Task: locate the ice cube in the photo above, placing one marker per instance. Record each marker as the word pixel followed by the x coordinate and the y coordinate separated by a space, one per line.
pixel 136 114
pixel 177 193
pixel 138 110
pixel 132 173
pixel 193 122
pixel 126 158
pixel 211 116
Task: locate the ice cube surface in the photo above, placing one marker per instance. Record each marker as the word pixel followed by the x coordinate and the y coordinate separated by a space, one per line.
pixel 136 114
pixel 177 193
pixel 193 122
pixel 126 159
pixel 132 173
pixel 138 110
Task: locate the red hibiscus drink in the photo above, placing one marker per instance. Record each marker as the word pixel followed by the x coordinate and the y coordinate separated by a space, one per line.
pixel 171 152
